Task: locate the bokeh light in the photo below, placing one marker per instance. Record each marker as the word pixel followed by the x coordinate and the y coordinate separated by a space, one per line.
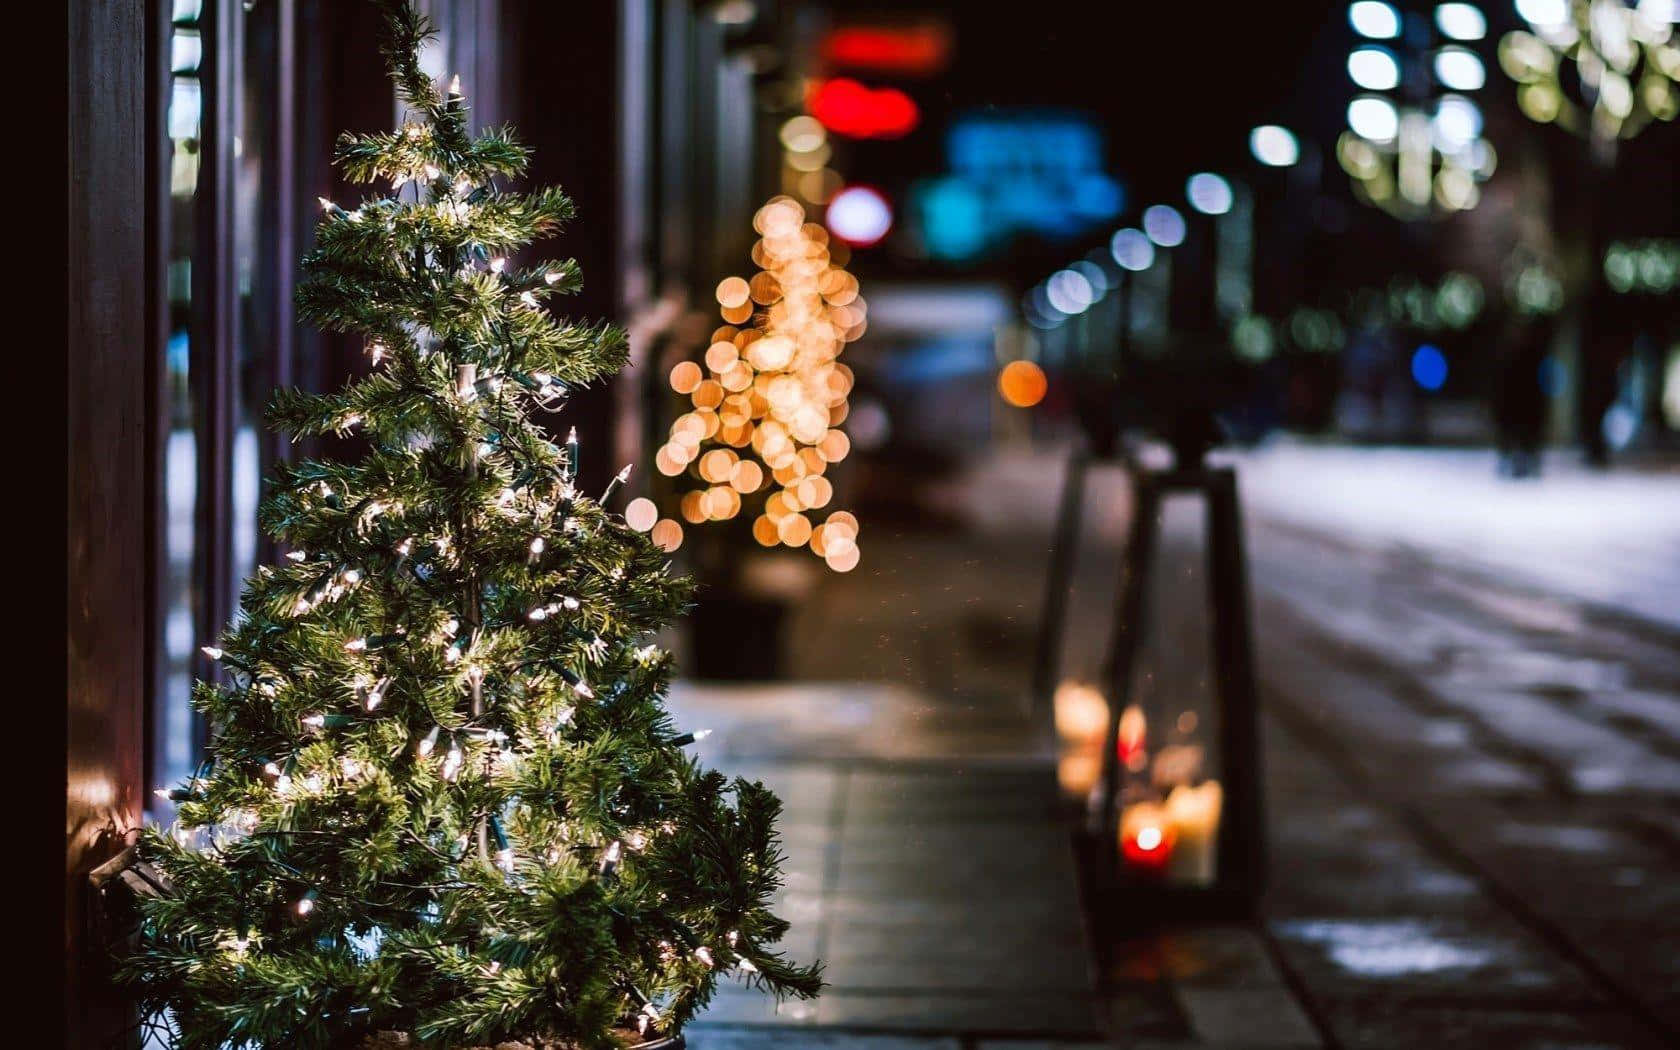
pixel 1460 21
pixel 1374 19
pixel 768 403
pixel 859 216
pixel 1164 225
pixel 1132 250
pixel 1022 384
pixel 1274 146
pixel 1208 193
pixel 1373 68
pixel 1429 367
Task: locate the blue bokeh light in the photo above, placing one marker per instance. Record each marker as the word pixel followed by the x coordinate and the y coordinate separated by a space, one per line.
pixel 1429 367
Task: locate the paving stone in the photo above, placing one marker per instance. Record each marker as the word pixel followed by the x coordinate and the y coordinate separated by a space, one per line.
pixel 1034 1013
pixel 1383 1025
pixel 706 1037
pixel 1038 1044
pixel 1216 955
pixel 1399 958
pixel 1256 1015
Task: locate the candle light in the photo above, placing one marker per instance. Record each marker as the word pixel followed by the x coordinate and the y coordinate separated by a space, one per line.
pixel 1176 764
pixel 1133 731
pixel 1081 712
pixel 1147 837
pixel 1194 815
pixel 1077 771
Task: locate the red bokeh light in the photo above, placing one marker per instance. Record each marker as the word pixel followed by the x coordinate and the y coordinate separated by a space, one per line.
pixel 906 50
pixel 849 108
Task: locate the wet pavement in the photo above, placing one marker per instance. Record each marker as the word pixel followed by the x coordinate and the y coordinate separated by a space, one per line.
pixel 1471 769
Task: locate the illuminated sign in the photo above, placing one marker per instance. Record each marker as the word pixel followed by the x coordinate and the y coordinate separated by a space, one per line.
pixel 1025 171
pixel 913 50
pixel 847 107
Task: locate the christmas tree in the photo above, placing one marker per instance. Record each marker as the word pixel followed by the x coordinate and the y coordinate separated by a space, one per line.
pixel 443 797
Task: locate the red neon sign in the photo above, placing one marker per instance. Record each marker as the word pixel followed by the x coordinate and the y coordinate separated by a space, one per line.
pixel 919 50
pixel 848 108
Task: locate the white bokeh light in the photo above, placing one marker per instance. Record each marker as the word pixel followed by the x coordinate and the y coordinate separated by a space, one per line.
pixel 1459 69
pixel 1164 225
pixel 1457 123
pixel 1373 118
pixel 1374 19
pixel 1274 146
pixel 1373 68
pixel 1208 193
pixel 1544 12
pixel 1459 21
pixel 1132 250
pixel 858 215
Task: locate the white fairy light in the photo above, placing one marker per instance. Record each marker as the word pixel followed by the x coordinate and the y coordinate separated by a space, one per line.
pixel 452 762
pixel 529 299
pixel 704 954
pixel 211 651
pixel 504 859
pixel 428 742
pixel 552 276
pixel 537 545
pixel 498 264
pixel 315 721
pixel 356 645
pixel 297 555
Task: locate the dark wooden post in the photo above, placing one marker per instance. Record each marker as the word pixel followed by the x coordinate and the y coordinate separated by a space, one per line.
pixel 106 482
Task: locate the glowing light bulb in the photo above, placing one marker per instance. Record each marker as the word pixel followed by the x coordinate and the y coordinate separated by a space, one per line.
pixel 211 651
pixel 498 264
pixel 356 645
pixel 537 545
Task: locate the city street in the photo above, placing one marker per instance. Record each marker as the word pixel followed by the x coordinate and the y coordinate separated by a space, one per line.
pixel 1470 781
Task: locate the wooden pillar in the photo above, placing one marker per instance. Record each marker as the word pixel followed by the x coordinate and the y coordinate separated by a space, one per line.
pixel 106 480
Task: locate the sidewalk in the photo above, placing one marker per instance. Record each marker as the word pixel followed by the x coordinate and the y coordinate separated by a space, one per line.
pixel 1471 778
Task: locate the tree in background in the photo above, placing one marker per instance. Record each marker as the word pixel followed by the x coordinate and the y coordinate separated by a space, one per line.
pixel 443 796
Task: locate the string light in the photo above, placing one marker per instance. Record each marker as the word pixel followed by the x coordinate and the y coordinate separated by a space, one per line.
pixel 773 388
pixel 428 742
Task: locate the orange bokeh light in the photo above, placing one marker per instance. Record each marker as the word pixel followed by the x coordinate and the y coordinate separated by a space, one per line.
pixel 1022 384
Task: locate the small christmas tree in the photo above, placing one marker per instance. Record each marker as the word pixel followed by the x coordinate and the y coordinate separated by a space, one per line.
pixel 443 797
